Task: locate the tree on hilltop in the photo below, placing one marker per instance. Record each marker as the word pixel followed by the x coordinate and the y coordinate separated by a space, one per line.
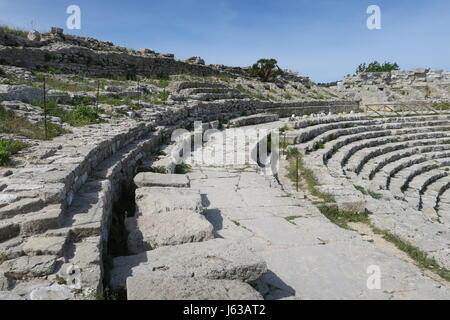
pixel 266 70
pixel 375 66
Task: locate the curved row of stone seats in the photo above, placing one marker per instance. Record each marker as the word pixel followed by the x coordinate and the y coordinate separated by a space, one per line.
pixel 356 161
pixel 314 121
pixel 321 132
pixel 431 192
pixel 381 129
pixel 419 184
pixel 329 149
pixel 408 166
pixel 354 157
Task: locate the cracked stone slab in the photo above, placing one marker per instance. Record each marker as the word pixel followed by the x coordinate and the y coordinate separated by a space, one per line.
pixel 160 200
pixel 168 229
pixel 148 288
pixel 214 259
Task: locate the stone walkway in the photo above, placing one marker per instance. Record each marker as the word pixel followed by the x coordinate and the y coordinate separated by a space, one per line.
pixel 308 256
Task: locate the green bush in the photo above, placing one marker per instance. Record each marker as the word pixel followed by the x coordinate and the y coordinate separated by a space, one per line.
pixel 375 66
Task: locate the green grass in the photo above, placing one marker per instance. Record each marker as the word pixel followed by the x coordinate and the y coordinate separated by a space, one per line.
pixel 360 189
pixel 9 148
pixel 80 116
pixel 342 218
pixel 306 175
pixel 419 256
pixel 365 192
pixel 65 86
pixel 10 123
pixel 158 98
pixel 15 31
pixel 442 106
pixel 157 169
pixel 291 219
pixel 375 195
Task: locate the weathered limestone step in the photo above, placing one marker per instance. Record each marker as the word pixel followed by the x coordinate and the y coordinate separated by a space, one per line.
pixel 149 288
pixel 24 267
pixel 430 196
pixel 158 200
pixel 214 259
pixel 8 230
pixel 253 120
pixel 150 179
pixel 166 229
pixel 36 246
pixel 88 209
pixel 21 207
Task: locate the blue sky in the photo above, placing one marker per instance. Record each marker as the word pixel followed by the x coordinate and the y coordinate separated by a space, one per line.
pixel 322 39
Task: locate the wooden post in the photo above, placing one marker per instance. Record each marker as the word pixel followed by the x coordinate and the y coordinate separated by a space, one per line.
pixel 45 109
pixel 296 172
pixel 98 93
pixel 139 90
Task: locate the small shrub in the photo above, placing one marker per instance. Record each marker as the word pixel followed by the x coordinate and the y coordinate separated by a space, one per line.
pixel 182 168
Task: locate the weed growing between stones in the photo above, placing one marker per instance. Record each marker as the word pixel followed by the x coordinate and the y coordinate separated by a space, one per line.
pixel 342 218
pixel 365 192
pixel 306 176
pixel 292 218
pixel 419 256
pixel 10 123
pixel 9 148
